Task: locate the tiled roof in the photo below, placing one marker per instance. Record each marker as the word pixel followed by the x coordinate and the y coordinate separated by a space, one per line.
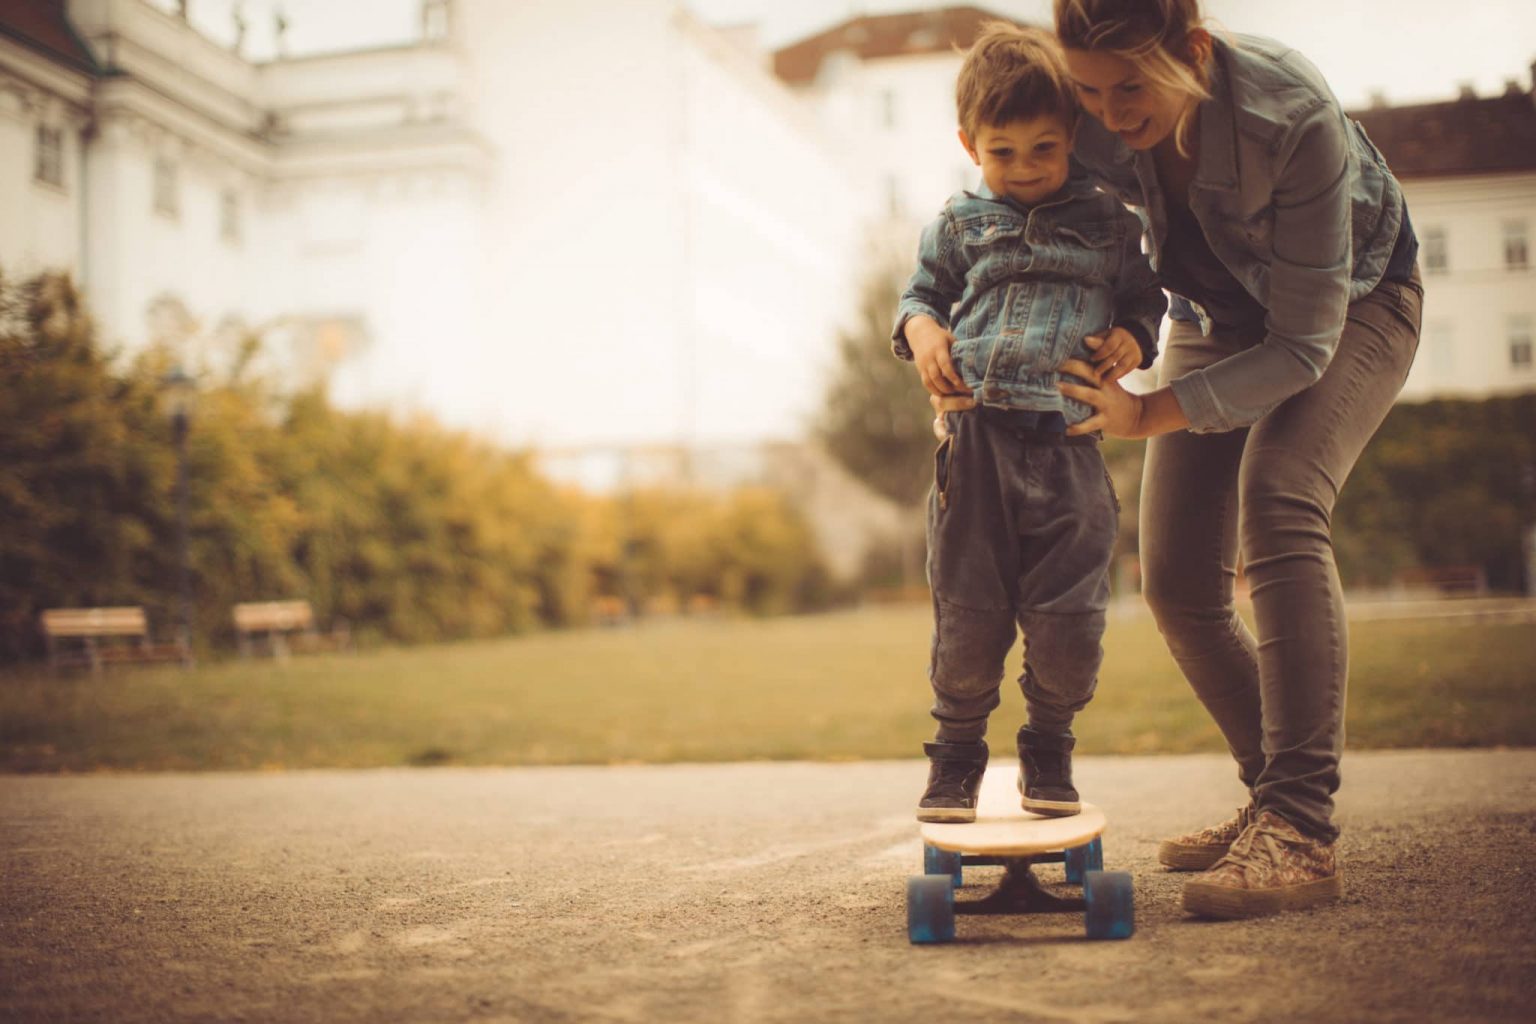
pixel 884 35
pixel 42 25
pixel 1490 135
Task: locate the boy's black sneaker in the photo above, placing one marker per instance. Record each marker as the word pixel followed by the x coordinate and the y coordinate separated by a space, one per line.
pixel 954 778
pixel 1045 774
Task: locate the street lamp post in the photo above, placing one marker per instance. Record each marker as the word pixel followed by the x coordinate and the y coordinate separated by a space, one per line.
pixel 180 389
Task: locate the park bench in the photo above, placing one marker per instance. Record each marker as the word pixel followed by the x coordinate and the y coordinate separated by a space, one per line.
pixel 96 636
pixel 277 626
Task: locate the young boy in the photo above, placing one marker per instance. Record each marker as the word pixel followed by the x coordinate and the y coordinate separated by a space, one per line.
pixel 1030 269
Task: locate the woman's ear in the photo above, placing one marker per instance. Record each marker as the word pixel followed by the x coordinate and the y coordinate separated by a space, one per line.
pixel 1197 47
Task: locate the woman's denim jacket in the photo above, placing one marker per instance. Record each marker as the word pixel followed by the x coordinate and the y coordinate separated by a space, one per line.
pixel 1293 198
pixel 1020 287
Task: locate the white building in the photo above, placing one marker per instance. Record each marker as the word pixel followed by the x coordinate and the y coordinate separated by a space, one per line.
pixel 196 195
pixel 1468 168
pixel 554 221
pixel 884 85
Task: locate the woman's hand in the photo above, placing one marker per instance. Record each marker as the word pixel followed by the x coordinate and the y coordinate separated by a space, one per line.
pixel 1117 412
pixel 1115 353
pixel 930 346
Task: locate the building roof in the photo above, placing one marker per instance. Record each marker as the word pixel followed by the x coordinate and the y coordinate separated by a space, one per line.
pixel 885 35
pixel 43 25
pixel 1471 135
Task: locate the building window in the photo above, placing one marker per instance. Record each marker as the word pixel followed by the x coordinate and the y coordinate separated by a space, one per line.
pixel 1516 252
pixel 49 168
pixel 1440 339
pixel 1435 257
pixel 888 108
pixel 1520 344
pixel 229 216
pixel 166 198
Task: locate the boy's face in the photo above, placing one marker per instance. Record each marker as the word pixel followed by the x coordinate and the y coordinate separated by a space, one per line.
pixel 1024 160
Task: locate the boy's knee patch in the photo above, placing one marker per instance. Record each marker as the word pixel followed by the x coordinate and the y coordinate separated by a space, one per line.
pixel 970 647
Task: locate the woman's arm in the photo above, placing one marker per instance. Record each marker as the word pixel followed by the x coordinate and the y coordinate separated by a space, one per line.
pixel 1308 285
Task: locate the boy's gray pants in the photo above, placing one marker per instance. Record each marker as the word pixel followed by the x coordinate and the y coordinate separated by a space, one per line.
pixel 1021 526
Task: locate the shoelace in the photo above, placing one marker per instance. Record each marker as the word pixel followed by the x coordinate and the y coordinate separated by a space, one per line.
pixel 1259 843
pixel 1217 833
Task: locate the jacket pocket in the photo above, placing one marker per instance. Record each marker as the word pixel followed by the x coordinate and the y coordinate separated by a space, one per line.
pixel 990 230
pixel 1089 236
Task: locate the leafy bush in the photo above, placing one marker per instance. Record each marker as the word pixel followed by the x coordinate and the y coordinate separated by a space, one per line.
pixel 409 531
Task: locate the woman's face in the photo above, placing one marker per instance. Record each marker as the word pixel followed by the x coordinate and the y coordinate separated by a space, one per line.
pixel 1123 99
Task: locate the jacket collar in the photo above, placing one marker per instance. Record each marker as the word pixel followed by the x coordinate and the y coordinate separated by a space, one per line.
pixel 1217 168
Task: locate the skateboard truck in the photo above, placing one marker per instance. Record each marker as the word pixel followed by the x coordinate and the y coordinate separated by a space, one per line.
pixel 1019 892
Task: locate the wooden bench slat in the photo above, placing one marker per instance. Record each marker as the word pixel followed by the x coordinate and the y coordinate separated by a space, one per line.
pixel 258 616
pixel 95 622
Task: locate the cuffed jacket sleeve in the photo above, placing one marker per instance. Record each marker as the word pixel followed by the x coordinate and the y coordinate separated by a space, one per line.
pixel 936 285
pixel 1139 302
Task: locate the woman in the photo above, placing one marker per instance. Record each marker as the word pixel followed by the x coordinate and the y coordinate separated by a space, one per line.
pixel 1284 240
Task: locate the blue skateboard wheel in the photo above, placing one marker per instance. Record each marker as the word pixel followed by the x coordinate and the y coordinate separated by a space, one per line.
pixel 1080 860
pixel 930 909
pixel 943 862
pixel 1111 912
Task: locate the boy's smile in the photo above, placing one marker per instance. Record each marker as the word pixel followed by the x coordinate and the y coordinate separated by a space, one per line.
pixel 1026 161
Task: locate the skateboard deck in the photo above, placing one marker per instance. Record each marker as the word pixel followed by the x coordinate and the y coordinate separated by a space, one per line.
pixel 1004 829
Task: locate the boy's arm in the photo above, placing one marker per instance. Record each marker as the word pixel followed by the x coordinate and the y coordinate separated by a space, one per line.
pixel 935 286
pixel 1139 302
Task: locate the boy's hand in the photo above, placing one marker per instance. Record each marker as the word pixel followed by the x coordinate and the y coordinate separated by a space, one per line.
pixel 930 346
pixel 947 403
pixel 1115 353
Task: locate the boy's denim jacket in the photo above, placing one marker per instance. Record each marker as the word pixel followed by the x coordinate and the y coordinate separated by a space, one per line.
pixel 1294 200
pixel 1019 287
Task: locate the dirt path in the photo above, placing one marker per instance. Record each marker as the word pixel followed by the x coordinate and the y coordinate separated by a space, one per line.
pixel 763 892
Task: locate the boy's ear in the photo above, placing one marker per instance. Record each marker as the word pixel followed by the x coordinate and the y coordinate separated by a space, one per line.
pixel 965 140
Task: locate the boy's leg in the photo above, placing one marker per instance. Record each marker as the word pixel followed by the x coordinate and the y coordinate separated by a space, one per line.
pixel 970 544
pixel 1069 519
pixel 973 619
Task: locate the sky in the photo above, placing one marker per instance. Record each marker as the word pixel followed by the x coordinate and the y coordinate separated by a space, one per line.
pixel 1415 50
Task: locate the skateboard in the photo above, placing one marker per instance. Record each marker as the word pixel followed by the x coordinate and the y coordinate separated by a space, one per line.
pixel 1004 835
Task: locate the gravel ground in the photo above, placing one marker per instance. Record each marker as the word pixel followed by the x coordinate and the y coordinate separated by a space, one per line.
pixel 751 892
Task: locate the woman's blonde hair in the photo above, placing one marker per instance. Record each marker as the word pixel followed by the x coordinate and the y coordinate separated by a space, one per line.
pixel 1153 35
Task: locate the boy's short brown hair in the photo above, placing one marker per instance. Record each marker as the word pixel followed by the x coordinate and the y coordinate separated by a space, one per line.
pixel 1013 73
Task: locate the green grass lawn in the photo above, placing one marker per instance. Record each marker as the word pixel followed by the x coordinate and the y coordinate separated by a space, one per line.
pixel 844 685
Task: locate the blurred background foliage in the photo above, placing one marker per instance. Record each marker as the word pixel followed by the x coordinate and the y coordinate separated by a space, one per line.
pixel 408 531
pixel 414 533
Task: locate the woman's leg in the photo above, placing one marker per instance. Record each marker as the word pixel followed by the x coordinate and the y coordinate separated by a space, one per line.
pixel 1189 516
pixel 1294 464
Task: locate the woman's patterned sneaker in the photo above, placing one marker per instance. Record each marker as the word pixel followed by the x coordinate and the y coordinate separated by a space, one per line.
pixel 1199 850
pixel 1270 867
